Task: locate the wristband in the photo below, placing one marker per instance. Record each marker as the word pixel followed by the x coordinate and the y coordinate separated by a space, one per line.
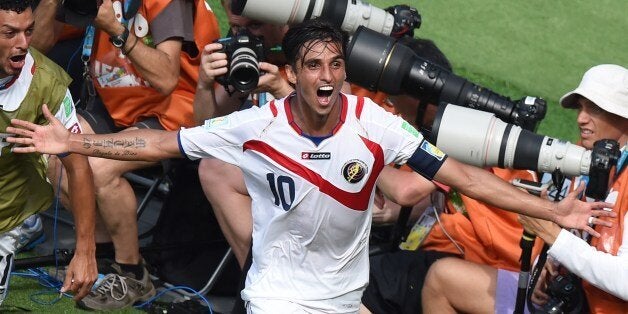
pixel 132 46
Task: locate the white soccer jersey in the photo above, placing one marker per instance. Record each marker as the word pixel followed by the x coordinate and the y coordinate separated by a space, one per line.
pixel 311 203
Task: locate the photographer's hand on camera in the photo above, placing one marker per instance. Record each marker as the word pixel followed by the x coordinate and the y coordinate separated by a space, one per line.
pixel 213 64
pixel 539 295
pixel 272 82
pixel 106 19
pixel 211 99
pixel 159 65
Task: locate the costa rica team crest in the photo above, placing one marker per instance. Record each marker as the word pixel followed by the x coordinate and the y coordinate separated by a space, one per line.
pixel 354 170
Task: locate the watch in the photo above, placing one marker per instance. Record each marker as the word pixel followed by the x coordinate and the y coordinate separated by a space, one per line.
pixel 118 41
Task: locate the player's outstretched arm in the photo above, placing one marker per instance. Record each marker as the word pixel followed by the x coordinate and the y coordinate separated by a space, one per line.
pixel 483 185
pixel 144 144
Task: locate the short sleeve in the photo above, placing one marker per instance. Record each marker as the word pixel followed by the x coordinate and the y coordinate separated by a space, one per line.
pixel 67 114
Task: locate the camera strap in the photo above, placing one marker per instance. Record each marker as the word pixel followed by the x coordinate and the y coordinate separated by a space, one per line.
pixel 621 164
pixel 88 92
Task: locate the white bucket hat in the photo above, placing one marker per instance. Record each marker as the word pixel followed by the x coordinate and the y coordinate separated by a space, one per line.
pixel 606 86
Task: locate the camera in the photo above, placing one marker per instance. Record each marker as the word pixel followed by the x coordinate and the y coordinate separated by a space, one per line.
pixel 347 14
pixel 480 139
pixel 244 51
pixel 79 13
pixel 565 296
pixel 379 62
pixel 82 7
pixel 604 156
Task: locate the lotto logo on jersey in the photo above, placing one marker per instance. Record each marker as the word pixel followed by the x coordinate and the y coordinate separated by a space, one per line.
pixel 432 150
pixel 354 171
pixel 315 155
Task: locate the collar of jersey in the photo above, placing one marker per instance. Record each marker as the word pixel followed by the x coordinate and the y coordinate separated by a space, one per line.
pixel 293 124
pixel 12 96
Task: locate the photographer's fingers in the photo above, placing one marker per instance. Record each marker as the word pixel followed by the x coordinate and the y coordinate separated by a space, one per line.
pixel 211 48
pixel 538 294
pixel 591 231
pixel 539 297
pixel 268 67
pixel 600 222
pixel 604 209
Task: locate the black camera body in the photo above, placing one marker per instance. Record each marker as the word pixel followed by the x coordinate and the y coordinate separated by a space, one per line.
pixel 604 156
pixel 566 295
pixel 244 52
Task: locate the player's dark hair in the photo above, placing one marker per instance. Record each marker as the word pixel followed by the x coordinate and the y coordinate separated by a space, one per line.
pixel 309 33
pixel 18 6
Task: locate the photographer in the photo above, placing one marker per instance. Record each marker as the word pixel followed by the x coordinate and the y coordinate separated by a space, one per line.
pixel 456 285
pixel 602 104
pixel 223 183
pixel 143 61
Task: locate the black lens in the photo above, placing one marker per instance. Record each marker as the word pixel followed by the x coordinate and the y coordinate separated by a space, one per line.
pixel 394 68
pixel 367 48
pixel 333 10
pixel 237 6
pixel 244 70
pixel 82 7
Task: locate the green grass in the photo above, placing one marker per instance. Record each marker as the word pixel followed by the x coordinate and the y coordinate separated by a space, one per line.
pixel 516 48
pixel 26 294
pixel 538 48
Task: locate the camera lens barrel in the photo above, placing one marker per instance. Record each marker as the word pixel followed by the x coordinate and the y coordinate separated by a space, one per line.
pixel 368 48
pixel 395 69
pixel 244 70
pixel 347 14
pixel 481 139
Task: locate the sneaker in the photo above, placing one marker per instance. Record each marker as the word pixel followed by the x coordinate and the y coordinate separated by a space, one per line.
pixel 6 264
pixel 118 290
pixel 31 233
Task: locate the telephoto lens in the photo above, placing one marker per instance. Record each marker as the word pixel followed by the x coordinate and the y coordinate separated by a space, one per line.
pixel 346 14
pixel 480 139
pixel 395 69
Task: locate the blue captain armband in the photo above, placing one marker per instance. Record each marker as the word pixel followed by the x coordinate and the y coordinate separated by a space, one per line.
pixel 426 160
pixel 62 155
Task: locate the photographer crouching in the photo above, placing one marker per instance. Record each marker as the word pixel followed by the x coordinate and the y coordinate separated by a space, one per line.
pixel 602 103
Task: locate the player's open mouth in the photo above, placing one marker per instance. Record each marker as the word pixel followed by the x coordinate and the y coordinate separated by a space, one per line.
pixel 17 62
pixel 324 93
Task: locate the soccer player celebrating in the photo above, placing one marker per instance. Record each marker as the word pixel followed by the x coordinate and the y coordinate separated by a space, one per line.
pixel 310 163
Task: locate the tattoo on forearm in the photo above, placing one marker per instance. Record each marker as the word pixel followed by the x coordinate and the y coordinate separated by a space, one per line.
pixel 124 147
pixel 110 143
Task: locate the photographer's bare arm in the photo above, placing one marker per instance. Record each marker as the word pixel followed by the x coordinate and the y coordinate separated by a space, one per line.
pixel 482 185
pixel 141 144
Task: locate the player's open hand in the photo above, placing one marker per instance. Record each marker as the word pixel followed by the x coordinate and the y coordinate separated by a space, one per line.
pixel 48 139
pixel 574 213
